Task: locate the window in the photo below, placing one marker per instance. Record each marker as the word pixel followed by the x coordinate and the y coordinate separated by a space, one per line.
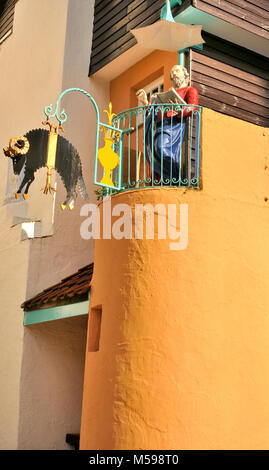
pixel 154 87
pixel 94 329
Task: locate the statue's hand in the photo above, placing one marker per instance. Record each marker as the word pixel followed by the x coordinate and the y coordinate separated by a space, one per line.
pixel 142 97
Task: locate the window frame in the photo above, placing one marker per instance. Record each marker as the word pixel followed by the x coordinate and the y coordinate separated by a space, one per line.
pixel 156 86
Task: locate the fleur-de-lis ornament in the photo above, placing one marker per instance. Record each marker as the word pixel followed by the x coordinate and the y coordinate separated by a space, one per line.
pixel 106 155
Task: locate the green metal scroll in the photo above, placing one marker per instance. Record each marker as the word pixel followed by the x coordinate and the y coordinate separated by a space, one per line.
pixel 61 117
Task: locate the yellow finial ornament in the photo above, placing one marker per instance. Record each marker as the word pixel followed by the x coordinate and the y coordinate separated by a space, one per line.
pixel 106 155
pixel 109 113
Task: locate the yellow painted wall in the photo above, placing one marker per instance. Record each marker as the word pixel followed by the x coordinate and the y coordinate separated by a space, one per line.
pixel 183 360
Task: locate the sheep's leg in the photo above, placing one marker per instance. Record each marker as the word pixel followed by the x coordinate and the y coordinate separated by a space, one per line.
pixel 70 200
pixel 71 203
pixel 23 183
pixel 25 194
pixel 68 197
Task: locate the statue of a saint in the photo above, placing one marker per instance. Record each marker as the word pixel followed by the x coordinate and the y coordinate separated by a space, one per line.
pixel 168 135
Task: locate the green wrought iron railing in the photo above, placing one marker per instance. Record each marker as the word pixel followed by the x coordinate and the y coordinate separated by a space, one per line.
pixel 156 150
pixel 157 145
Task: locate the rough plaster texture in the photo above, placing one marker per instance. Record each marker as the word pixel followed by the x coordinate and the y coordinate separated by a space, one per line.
pixel 183 358
pixel 48 50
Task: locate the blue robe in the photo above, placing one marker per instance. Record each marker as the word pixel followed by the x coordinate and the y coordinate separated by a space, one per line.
pixel 167 142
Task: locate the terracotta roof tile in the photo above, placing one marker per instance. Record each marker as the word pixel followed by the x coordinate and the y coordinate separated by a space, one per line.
pixel 73 288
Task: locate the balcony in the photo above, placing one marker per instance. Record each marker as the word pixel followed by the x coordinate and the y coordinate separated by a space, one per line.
pixel 157 146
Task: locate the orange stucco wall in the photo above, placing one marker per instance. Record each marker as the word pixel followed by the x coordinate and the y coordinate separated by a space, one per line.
pixel 124 87
pixel 183 360
pixel 123 96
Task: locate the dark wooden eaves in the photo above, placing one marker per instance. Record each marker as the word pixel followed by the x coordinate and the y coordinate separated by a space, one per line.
pixel 74 288
pixel 7 9
pixel 113 20
pixel 232 80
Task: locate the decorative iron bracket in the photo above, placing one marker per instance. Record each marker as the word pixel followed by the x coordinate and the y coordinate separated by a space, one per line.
pixel 61 117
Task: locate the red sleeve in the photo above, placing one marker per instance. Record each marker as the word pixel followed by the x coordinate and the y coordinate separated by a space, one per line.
pixel 192 97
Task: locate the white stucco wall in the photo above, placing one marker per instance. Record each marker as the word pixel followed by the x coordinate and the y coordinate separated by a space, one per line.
pixel 51 259
pixel 14 257
pixel 49 50
pixel 27 67
pixel 51 383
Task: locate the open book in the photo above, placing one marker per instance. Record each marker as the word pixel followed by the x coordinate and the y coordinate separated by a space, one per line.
pixel 167 96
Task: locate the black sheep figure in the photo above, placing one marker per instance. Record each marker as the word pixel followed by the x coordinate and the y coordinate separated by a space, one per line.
pixel 30 152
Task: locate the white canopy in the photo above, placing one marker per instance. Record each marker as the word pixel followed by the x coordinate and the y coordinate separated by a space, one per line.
pixel 168 36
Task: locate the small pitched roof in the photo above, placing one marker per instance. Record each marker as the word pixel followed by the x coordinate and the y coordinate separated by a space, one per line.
pixel 71 289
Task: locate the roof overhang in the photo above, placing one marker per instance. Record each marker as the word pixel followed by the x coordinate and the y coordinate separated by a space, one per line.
pixel 42 315
pixel 117 66
pixel 68 298
pixel 190 15
pixel 224 30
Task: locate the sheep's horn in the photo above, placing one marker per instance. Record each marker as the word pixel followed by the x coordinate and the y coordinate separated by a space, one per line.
pixel 15 148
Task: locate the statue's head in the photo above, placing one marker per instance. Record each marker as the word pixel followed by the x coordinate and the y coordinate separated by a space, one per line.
pixel 179 76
